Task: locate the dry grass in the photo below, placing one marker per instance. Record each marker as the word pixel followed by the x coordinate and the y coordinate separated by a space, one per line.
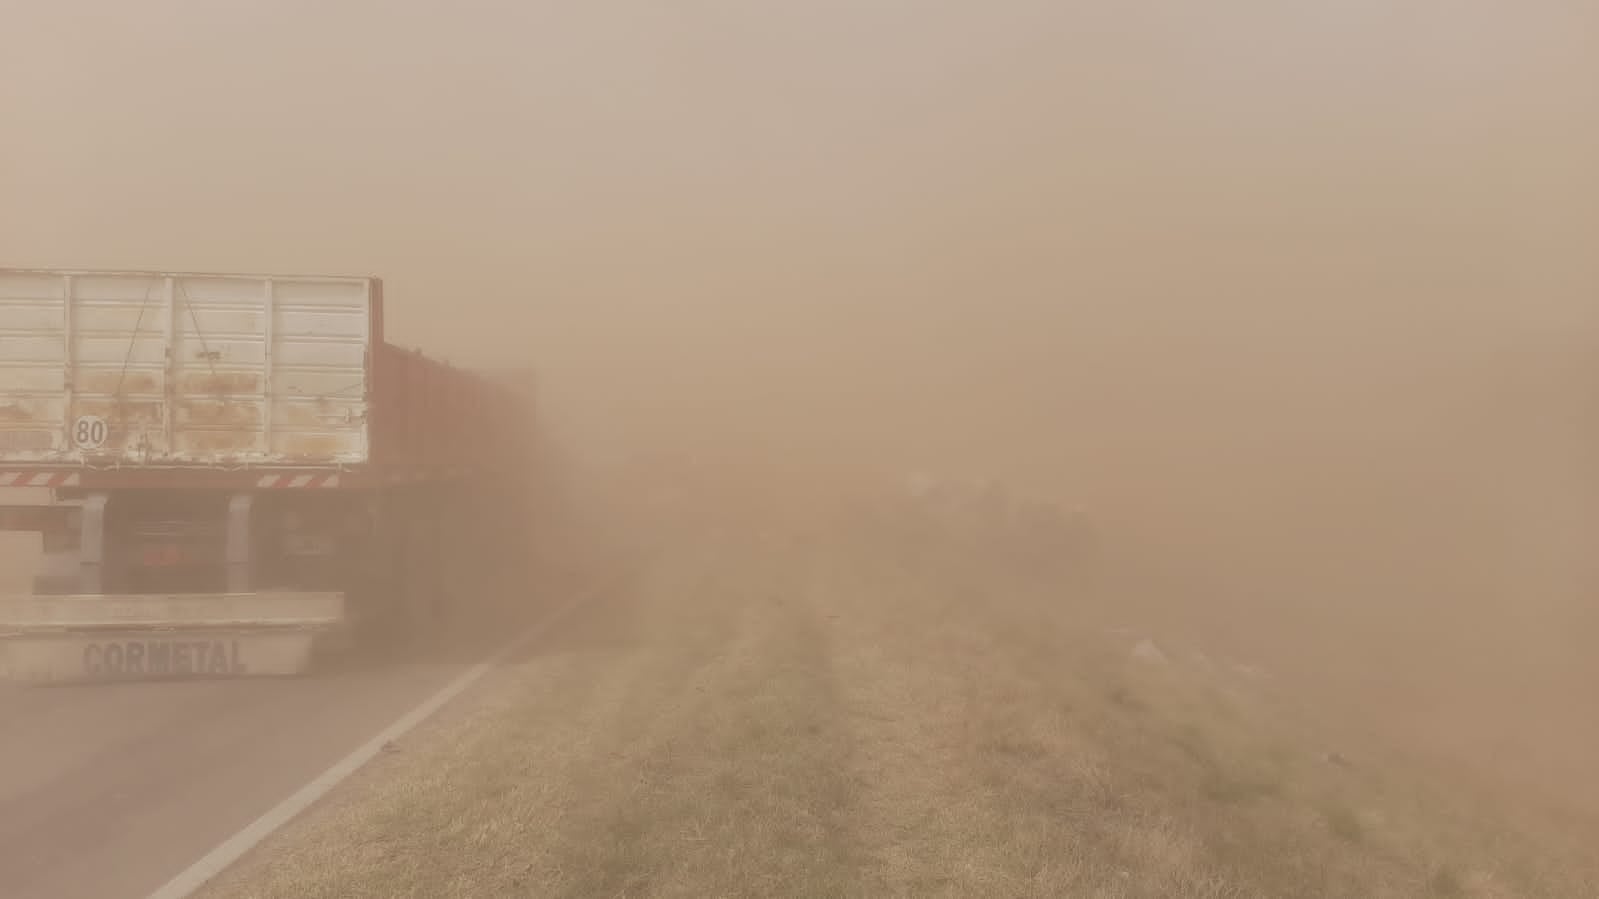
pixel 1066 768
pixel 685 742
pixel 823 717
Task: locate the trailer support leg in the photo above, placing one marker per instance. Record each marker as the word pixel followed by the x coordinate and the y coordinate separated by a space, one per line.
pixel 91 545
pixel 240 543
pixel 425 556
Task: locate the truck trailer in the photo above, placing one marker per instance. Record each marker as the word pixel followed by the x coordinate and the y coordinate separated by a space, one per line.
pixel 229 472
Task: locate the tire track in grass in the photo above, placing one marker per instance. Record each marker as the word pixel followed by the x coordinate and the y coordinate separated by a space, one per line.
pixel 739 789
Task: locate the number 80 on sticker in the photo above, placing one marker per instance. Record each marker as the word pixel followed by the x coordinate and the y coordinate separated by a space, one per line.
pixel 90 432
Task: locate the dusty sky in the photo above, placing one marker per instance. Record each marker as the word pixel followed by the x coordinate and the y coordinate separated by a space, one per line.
pixel 1301 297
pixel 1317 272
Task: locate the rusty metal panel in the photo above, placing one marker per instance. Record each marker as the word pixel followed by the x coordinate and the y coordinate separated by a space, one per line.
pixel 32 366
pixel 172 369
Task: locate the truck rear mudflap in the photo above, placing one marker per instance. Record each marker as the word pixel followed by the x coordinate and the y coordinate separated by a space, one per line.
pixel 74 639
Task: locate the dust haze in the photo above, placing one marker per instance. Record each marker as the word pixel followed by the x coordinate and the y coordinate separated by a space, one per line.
pixel 1298 300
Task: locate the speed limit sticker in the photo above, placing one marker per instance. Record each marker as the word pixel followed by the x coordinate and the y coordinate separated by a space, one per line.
pixel 90 431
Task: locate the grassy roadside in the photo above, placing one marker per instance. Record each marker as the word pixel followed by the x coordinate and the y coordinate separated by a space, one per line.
pixel 816 717
pixel 1027 753
pixel 685 742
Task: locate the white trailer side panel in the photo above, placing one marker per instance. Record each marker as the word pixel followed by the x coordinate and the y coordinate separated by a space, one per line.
pixel 171 369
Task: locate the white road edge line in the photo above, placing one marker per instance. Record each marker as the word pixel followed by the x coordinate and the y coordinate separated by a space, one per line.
pixel 234 848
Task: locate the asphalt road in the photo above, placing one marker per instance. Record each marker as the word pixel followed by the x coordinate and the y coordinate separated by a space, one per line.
pixel 108 791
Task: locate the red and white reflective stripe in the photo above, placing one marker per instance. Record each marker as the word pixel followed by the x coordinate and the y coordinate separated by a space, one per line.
pixel 38 479
pixel 296 481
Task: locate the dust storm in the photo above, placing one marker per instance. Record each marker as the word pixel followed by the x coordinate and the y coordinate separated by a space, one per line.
pixel 1297 302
